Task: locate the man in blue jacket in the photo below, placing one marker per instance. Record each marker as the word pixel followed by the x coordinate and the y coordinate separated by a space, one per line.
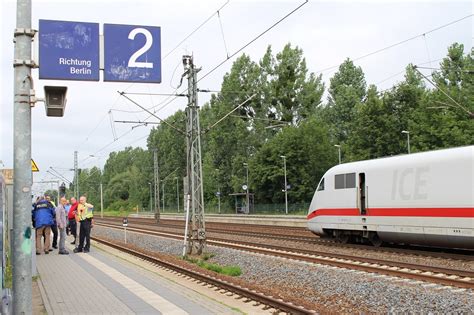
pixel 43 214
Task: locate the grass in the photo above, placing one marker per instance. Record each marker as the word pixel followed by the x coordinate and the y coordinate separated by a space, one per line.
pixel 233 271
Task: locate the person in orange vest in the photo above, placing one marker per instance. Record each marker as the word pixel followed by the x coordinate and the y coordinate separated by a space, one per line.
pixel 85 214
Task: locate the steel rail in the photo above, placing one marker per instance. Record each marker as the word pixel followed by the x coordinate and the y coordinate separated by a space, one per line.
pixel 312 240
pixel 444 276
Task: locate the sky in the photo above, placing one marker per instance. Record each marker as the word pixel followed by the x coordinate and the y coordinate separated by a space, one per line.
pixel 327 31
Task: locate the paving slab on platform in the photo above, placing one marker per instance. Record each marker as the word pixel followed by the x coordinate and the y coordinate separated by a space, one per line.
pixel 100 283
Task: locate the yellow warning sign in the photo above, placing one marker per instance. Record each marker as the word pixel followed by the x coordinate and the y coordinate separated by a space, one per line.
pixel 34 167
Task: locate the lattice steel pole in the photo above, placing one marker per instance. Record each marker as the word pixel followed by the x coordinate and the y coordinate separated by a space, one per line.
pixel 196 237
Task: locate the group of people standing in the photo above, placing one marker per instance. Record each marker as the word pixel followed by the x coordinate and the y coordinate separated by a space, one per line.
pixel 75 218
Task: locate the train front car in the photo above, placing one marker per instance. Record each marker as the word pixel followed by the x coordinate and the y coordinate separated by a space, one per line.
pixel 423 198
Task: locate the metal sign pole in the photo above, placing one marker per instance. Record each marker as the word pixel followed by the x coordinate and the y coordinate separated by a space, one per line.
pixel 21 248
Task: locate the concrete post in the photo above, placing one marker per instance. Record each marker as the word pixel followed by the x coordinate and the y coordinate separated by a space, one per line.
pixel 21 247
pixel 286 184
pixel 156 182
pixel 101 201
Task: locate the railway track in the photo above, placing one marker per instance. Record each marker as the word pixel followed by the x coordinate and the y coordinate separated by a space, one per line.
pixel 444 276
pixel 269 233
pixel 271 302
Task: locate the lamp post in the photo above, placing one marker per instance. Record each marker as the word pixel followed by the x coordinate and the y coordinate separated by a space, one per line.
pixel 247 185
pixel 408 139
pixel 338 146
pixel 286 185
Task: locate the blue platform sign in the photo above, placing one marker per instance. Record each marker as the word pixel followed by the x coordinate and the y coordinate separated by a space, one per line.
pixel 132 53
pixel 68 50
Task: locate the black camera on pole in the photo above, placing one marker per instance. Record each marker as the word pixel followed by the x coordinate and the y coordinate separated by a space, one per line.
pixel 55 100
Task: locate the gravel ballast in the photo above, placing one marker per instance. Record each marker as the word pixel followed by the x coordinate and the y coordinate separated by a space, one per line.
pixel 326 288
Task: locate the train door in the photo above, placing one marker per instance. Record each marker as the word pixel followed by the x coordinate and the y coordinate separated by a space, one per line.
pixel 362 194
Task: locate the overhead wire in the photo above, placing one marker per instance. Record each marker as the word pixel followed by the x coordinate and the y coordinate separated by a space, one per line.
pixel 427 48
pixel 195 30
pixel 458 69
pixel 465 109
pixel 153 114
pixel 235 53
pixel 222 33
pixel 253 40
pixel 164 101
pixel 112 126
pixel 92 131
pixel 399 43
pixel 403 71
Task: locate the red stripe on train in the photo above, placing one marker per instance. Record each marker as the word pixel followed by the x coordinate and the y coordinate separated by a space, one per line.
pixel 397 212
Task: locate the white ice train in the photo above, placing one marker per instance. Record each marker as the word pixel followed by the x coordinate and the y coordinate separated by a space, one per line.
pixel 422 198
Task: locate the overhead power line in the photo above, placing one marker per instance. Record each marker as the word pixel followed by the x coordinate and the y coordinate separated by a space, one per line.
pixel 137 122
pixel 229 113
pixel 232 55
pixel 170 99
pixel 254 39
pixel 399 43
pixel 153 114
pixel 195 30
pixel 222 33
pixel 459 70
pixel 154 94
pixel 465 109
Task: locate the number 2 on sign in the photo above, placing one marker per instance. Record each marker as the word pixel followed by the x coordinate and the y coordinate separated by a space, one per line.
pixel 132 62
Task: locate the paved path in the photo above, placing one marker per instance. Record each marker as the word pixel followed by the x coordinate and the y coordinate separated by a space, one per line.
pixel 99 283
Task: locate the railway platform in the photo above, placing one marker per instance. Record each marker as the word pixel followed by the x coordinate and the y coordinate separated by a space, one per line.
pixel 272 220
pixel 106 281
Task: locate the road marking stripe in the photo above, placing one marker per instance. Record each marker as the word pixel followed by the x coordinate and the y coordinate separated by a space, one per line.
pixel 162 305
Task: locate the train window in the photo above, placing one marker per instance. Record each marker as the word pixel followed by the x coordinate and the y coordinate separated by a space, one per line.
pixel 342 181
pixel 321 185
pixel 339 181
pixel 350 180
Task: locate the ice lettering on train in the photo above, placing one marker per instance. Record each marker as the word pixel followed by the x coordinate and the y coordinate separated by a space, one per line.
pixel 410 184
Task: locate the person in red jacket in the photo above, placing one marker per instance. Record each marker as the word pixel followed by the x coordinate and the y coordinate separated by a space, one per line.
pixel 71 216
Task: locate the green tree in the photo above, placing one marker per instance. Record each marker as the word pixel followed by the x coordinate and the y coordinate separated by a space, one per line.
pixel 347 89
pixel 308 153
pixel 293 93
pixel 89 185
pixel 132 169
pixel 441 122
pixel 230 143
